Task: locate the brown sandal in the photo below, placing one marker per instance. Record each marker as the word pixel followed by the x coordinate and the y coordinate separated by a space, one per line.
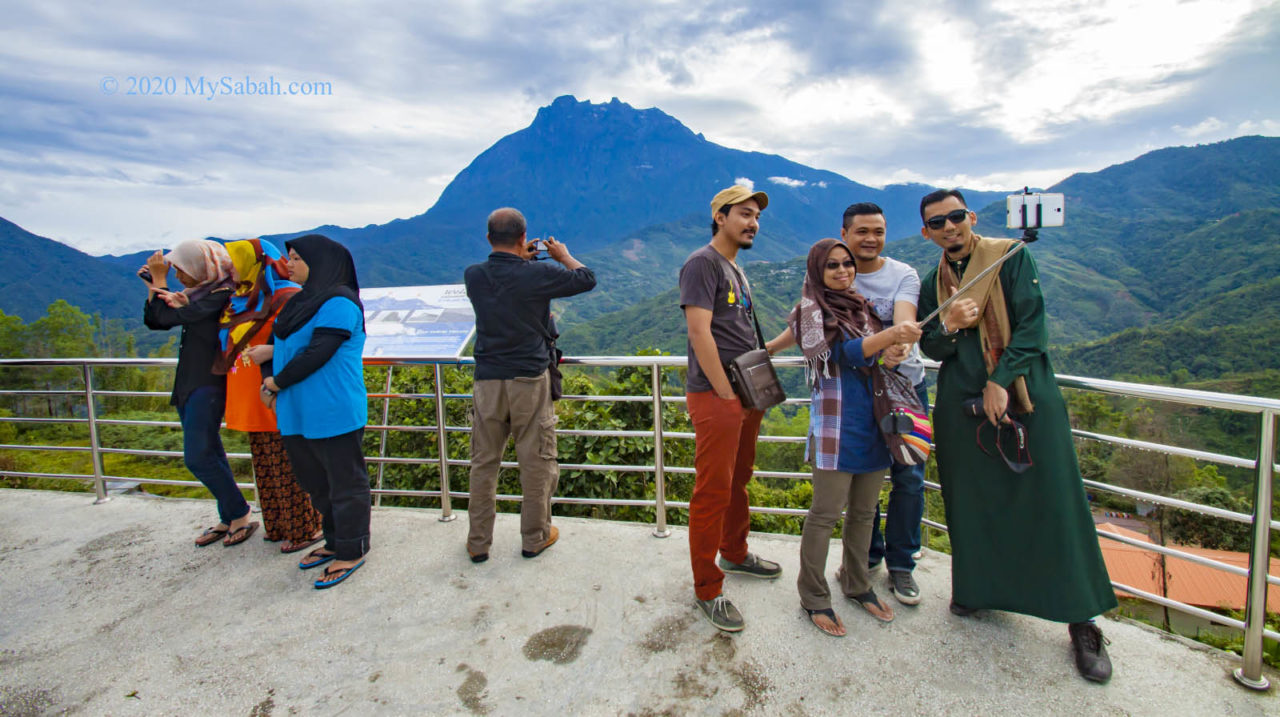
pixel 293 546
pixel 871 603
pixel 211 536
pixel 830 614
pixel 239 535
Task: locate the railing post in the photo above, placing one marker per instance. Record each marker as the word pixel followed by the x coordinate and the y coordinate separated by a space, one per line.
pixel 1255 612
pixel 446 510
pixel 382 449
pixel 99 484
pixel 660 529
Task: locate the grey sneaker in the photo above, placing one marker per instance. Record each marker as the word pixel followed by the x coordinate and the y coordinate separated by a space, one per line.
pixel 754 565
pixel 903 586
pixel 721 613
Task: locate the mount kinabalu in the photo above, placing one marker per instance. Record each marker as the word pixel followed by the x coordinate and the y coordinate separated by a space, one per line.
pixel 596 174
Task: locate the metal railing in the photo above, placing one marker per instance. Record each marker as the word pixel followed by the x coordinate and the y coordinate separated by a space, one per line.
pixel 1263 465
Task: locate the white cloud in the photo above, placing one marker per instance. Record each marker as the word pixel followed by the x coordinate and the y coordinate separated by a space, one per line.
pixel 788 181
pixel 1211 126
pixel 746 182
pixel 1268 127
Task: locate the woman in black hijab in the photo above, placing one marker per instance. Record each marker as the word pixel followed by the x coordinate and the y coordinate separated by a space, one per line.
pixel 318 393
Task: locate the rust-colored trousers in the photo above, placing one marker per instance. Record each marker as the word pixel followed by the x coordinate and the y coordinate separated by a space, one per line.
pixel 724 457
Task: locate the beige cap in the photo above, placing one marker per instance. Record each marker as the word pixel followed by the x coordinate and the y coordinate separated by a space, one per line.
pixel 736 195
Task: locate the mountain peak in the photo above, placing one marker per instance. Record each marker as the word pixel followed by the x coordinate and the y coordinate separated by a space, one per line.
pixel 583 117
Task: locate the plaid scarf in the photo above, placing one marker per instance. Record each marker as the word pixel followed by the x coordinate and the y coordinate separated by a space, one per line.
pixel 994 328
pixel 822 318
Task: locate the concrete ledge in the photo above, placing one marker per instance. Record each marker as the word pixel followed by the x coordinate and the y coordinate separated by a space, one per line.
pixel 110 609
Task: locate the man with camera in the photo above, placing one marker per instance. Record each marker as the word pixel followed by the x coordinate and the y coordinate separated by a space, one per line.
pixel 893 288
pixel 1022 535
pixel 511 294
pixel 716 301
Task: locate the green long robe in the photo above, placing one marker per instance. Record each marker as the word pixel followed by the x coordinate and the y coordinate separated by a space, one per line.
pixel 1020 542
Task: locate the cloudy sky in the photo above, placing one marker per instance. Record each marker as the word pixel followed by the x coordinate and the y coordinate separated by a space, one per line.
pixel 109 141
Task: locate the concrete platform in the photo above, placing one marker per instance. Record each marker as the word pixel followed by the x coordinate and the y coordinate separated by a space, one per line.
pixel 110 610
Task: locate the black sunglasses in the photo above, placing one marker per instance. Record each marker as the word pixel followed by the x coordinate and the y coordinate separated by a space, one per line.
pixel 940 221
pixel 847 263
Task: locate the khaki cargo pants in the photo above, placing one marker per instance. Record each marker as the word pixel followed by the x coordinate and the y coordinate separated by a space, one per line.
pixel 520 408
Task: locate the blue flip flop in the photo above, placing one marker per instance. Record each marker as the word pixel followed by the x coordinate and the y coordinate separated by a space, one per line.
pixel 314 560
pixel 323 583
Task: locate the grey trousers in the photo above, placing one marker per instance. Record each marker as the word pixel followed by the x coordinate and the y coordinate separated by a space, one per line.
pixel 832 491
pixel 520 408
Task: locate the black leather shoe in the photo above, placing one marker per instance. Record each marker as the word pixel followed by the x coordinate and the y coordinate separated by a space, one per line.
pixel 961 610
pixel 1091 651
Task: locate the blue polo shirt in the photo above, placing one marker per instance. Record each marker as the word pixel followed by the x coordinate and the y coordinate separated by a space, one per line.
pixel 332 400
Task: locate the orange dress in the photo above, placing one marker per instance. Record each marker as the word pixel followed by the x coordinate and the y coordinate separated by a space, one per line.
pixel 286 509
pixel 245 410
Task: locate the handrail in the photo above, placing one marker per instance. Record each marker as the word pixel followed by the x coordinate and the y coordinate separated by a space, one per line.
pixel 1263 464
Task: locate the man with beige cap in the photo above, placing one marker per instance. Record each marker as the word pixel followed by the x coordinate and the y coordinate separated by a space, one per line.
pixel 716 300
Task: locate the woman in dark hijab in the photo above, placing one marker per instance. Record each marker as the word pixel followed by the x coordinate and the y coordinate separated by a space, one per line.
pixel 321 406
pixel 842 340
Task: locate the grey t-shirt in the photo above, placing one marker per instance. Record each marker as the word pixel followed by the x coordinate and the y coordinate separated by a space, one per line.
pixel 895 281
pixel 703 283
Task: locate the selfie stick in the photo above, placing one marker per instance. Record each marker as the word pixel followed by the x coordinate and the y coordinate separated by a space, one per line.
pixel 1028 235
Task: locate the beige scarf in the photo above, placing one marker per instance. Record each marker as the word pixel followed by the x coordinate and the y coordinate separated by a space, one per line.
pixel 994 329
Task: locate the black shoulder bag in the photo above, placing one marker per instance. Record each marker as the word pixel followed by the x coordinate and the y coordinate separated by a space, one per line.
pixel 751 374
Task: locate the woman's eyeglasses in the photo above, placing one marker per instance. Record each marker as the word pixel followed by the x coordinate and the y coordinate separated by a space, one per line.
pixel 940 221
pixel 847 263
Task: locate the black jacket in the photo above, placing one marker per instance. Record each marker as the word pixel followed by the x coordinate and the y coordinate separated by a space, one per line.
pixel 199 344
pixel 512 301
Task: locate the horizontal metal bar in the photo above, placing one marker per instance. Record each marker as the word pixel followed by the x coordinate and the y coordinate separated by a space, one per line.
pixel 166 481
pixel 1206 399
pixel 1191 610
pixel 1171 450
pixel 393 460
pixel 1189 557
pixel 1250 404
pixel 34 447
pixel 406 429
pixel 117 479
pixel 132 422
pixel 1172 502
pixel 32 474
pixel 19 419
pixel 25 392
pixel 163 454
pixel 131 394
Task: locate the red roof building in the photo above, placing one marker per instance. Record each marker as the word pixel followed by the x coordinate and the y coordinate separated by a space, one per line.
pixel 1188 582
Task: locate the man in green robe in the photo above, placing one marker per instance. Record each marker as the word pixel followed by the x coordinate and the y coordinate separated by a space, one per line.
pixel 1021 541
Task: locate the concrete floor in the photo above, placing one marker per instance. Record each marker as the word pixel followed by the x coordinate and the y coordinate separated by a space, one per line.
pixel 110 610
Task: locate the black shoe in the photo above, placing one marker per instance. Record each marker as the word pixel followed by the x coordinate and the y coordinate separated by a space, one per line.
pixel 1091 651
pixel 961 610
pixel 903 586
pixel 753 565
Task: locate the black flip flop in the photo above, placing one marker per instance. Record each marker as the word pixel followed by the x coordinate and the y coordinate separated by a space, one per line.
pixel 239 535
pixel 210 536
pixel 828 612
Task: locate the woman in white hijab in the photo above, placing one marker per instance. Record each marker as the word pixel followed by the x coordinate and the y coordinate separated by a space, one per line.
pixel 204 267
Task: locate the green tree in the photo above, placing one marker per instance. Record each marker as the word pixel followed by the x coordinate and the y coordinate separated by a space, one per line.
pixel 1190 528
